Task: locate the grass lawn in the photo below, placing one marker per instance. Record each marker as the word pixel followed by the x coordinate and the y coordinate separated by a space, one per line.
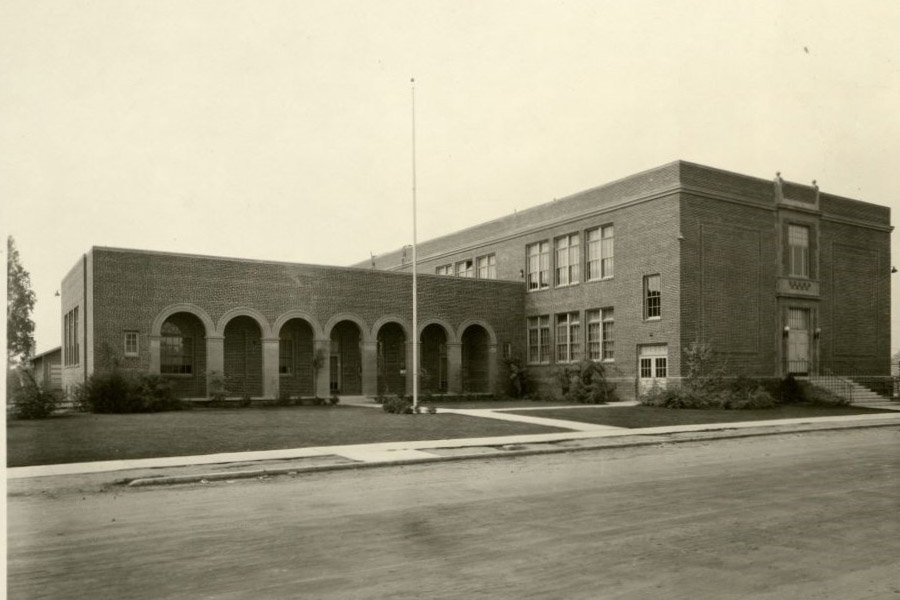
pixel 634 417
pixel 80 437
pixel 495 404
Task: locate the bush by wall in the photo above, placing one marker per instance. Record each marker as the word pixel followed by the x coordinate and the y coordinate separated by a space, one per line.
pixel 124 392
pixel 29 400
pixel 586 383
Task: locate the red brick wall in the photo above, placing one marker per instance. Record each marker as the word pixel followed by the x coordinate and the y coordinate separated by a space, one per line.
pixel 132 287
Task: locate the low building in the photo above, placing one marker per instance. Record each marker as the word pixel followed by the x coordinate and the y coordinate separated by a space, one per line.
pixel 47 369
pixel 777 277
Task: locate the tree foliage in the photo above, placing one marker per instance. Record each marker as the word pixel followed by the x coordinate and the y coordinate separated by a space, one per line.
pixel 19 304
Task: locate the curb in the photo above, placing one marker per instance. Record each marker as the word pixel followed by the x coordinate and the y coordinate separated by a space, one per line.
pixel 669 438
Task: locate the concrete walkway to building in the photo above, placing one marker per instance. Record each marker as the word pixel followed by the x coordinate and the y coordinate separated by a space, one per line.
pixel 580 436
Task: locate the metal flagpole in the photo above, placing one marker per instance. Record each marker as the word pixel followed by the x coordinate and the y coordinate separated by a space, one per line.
pixel 415 304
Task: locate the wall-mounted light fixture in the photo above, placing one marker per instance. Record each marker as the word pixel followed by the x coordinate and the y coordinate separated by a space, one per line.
pixel 893 270
pixel 817 332
pixel 786 331
pixel 521 273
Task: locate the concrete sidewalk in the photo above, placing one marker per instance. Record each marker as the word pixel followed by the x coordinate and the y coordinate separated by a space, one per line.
pixel 582 436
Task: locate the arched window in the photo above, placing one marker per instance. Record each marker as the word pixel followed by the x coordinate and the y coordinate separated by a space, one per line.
pixel 176 351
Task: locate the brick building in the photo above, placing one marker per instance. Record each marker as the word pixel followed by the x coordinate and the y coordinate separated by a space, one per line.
pixel 778 277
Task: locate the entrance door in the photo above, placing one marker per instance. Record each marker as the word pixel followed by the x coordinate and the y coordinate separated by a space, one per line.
pixel 798 341
pixel 653 367
pixel 334 368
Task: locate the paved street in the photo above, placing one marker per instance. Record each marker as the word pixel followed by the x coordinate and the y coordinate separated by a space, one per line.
pixel 803 515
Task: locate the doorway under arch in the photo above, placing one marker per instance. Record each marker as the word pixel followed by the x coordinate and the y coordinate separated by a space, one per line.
pixel 433 352
pixel 295 358
pixel 345 362
pixel 475 356
pixel 391 359
pixel 243 357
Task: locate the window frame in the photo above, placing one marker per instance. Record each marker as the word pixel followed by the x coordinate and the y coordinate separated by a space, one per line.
pixel 541 277
pixel 137 343
pixel 605 253
pixel 444 270
pixel 189 354
pixel 489 267
pixel 568 337
pixel 799 255
pixel 571 253
pixel 601 334
pixel 652 298
pixel 540 326
pixel 468 268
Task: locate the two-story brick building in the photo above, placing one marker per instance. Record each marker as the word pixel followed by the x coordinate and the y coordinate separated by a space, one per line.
pixel 778 277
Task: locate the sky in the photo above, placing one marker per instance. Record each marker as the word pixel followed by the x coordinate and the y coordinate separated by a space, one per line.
pixel 282 130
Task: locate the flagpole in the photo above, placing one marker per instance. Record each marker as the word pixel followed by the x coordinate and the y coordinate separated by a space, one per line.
pixel 415 304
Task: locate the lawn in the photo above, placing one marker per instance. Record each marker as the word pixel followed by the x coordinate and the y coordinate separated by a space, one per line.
pixel 79 437
pixel 633 417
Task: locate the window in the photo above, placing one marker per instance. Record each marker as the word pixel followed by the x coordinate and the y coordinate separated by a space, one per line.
pixel 70 338
pixel 568 338
pixel 507 350
pixel 487 267
pixel 444 270
pixel 568 259
pixel 652 297
pixel 538 264
pixel 131 343
pixel 176 351
pixel 798 247
pixel 286 356
pixel 539 339
pixel 601 343
pixel 600 253
pixel 465 268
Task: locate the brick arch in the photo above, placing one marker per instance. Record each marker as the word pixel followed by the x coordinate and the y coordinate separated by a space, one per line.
pixel 364 332
pixel 480 323
pixel 298 314
pixel 185 307
pixel 254 314
pixel 448 330
pixel 381 322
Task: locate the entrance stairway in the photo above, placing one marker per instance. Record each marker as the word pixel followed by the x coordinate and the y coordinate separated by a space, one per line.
pixel 856 393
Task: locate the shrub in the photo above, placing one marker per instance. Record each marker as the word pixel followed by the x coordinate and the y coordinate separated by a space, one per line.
pixel 334 400
pixel 216 383
pixel 517 376
pixel 790 391
pixel 30 400
pixel 817 395
pixel 397 405
pixel 120 392
pixel 587 384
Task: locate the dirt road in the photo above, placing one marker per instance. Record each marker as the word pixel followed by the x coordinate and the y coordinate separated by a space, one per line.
pixel 813 515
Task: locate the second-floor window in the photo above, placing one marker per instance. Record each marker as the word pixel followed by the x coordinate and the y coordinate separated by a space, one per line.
pixel 538 266
pixel 798 247
pixel 487 267
pixel 465 268
pixel 568 259
pixel 652 297
pixel 600 253
pixel 70 338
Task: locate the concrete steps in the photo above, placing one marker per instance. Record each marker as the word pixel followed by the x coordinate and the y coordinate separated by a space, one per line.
pixel 859 395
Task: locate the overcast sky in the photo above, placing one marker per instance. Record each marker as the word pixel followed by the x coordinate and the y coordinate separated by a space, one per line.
pixel 281 130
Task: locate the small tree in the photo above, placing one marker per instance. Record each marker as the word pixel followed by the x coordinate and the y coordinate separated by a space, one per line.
pixel 318 362
pixel 702 374
pixel 518 376
pixel 19 304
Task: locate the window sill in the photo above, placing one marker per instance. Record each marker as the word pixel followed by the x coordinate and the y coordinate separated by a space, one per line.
pixel 598 279
pixel 543 289
pixel 566 285
pixel 178 375
pixel 652 319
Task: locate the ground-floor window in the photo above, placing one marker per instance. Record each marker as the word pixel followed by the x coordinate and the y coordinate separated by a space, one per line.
pixel 176 352
pixel 539 339
pixel 568 337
